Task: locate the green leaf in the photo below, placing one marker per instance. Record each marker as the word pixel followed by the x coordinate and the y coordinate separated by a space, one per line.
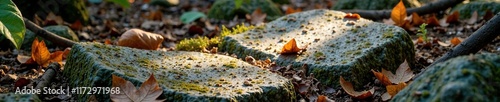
pixel 123 3
pixel 238 3
pixel 190 16
pixel 11 23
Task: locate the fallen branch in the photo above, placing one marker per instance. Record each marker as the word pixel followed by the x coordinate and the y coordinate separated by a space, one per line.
pixel 426 9
pixel 59 41
pixel 48 76
pixel 475 42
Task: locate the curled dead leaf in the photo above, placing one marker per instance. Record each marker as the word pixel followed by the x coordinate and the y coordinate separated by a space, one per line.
pixel 403 74
pixel 290 47
pixel 353 16
pixel 140 39
pixel 433 21
pixel 443 43
pixel 349 89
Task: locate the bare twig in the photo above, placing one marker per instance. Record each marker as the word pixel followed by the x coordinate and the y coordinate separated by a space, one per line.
pixel 48 75
pixel 426 9
pixel 60 41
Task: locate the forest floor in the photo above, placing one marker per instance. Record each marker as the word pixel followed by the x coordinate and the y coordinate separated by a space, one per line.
pixel 109 21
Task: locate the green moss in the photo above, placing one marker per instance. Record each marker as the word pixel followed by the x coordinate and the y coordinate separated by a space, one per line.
pixel 231 64
pixel 388 34
pixel 239 91
pixel 258 81
pixel 318 54
pixel 363 35
pixel 199 43
pixel 129 74
pixel 181 85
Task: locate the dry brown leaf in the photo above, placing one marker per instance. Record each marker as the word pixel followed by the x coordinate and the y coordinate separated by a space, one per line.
pixel 140 39
pixel 66 52
pixel 148 92
pixel 394 89
pixel 108 41
pixel 403 74
pixel 386 96
pixel 416 20
pixel 290 10
pixel 257 17
pixel 155 15
pixel 349 89
pixel 455 41
pixel 453 18
pixel 56 56
pixel 52 19
pixel 488 15
pixel 433 21
pixel 473 18
pixel 290 47
pixel 398 13
pixel 321 98
pixel 420 40
pixel 77 25
pixel 353 16
pixel 382 77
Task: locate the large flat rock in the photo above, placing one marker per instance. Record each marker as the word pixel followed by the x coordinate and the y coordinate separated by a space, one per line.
pixel 336 46
pixel 183 76
pixel 462 79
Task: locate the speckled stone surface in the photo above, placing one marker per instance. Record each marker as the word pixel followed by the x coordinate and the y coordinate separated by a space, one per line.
pixel 183 76
pixel 337 46
pixel 461 79
pixel 13 97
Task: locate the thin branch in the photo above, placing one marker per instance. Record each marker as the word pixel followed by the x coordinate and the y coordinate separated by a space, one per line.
pixel 54 38
pixel 426 9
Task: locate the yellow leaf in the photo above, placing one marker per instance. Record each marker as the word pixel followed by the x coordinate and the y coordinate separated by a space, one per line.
pixel 140 39
pixel 394 89
pixel 398 13
pixel 39 53
pixel 349 89
pixel 290 47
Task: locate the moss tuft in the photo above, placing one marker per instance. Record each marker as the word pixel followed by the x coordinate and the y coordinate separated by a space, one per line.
pixel 199 43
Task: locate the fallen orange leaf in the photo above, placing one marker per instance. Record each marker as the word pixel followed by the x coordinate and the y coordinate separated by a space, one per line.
pixel 420 40
pixel 66 52
pixel 453 18
pixel 39 53
pixel 416 20
pixel 321 98
pixel 108 42
pixel 398 13
pixel 290 47
pixel 350 15
pixel 290 10
pixel 140 39
pixel 382 77
pixel 433 21
pixel 148 92
pixel 455 41
pixel 394 89
pixel 348 88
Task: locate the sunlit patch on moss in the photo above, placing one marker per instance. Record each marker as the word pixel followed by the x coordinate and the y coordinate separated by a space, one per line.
pixel 199 43
pixel 231 64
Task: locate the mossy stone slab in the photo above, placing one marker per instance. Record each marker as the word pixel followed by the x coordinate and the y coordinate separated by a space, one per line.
pixel 13 97
pixel 336 46
pixel 467 78
pixel 60 30
pixel 183 76
pixel 226 9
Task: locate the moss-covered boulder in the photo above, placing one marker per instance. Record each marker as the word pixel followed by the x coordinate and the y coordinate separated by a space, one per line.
pixel 226 9
pixel 466 10
pixel 69 10
pixel 471 78
pixel 13 97
pixel 60 30
pixel 372 4
pixel 183 76
pixel 336 46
